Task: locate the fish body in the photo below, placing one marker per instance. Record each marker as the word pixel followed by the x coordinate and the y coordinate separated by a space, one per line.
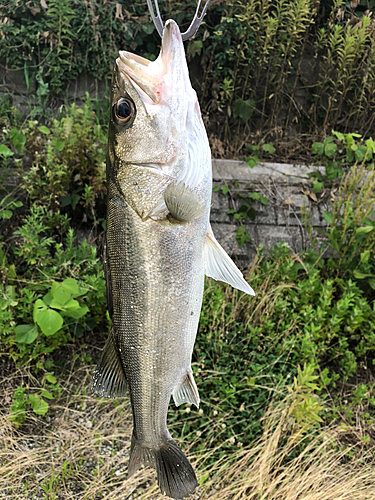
pixel 159 246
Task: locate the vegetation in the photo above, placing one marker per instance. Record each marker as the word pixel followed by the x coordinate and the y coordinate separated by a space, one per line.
pixel 286 377
pixel 273 70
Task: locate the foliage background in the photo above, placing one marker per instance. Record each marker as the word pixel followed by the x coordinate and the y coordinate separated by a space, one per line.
pixel 283 70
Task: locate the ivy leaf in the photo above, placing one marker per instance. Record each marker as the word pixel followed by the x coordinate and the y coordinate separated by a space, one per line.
pixel 252 161
pixel 225 189
pixel 26 334
pixel 330 149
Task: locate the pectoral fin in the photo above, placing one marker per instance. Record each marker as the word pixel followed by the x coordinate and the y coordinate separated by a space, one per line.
pixel 183 204
pixel 109 379
pixel 187 391
pixel 219 266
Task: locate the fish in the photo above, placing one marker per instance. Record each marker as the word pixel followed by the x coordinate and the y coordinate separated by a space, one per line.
pixel 159 247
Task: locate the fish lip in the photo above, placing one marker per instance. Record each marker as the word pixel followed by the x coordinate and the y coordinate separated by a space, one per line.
pixel 135 69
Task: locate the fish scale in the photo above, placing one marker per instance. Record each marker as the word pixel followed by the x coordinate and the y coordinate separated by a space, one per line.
pixel 159 246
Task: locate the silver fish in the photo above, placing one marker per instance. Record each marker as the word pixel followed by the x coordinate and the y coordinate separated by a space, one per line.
pixel 159 247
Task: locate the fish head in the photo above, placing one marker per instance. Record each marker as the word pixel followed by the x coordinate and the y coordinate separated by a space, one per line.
pixel 155 118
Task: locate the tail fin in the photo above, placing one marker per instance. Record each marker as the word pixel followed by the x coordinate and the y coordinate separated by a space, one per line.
pixel 176 477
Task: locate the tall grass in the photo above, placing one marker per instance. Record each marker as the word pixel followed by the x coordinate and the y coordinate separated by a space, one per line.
pixel 72 459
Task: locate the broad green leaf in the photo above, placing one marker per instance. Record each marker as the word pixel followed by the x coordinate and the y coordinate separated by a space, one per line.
pixel 330 149
pixel 327 217
pixel 39 406
pixel 244 109
pixel 269 148
pixel 318 186
pixel 38 307
pixel 216 189
pixel 26 334
pixel 6 214
pixel 18 139
pixel 254 196
pixel 49 321
pixel 44 130
pixel 5 151
pixel 252 161
pixel 361 153
pixel 364 229
pixel 263 200
pixel 60 294
pixel 317 148
pixel 50 378
pixel 46 394
pixel 71 305
pixel 339 135
pixel 365 255
pixel 59 145
pixel 78 313
pixel 371 282
pixel 225 189
pixel 71 285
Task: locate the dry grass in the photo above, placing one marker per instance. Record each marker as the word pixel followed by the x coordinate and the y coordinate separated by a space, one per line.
pixel 81 452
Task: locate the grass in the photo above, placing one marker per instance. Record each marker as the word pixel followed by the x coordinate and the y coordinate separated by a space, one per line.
pixel 80 451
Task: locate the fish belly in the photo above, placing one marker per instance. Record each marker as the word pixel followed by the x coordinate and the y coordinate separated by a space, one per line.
pixel 156 279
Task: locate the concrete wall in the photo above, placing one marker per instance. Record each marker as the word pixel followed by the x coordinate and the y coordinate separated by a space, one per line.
pixel 287 188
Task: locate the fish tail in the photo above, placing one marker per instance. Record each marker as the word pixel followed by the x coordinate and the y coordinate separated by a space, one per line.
pixel 176 476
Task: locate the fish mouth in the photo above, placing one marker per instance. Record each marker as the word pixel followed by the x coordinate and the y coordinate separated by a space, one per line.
pixel 136 68
pixel 147 77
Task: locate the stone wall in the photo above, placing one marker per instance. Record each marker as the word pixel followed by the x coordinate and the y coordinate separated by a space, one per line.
pixel 289 193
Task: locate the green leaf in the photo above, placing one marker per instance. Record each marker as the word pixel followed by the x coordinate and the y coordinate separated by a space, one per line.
pixel 269 148
pixel 77 313
pixel 44 130
pixel 364 229
pixel 254 196
pixel 330 149
pixel 38 404
pixel 327 217
pixel 47 394
pixel 263 200
pixel 318 186
pixel 49 321
pixel 360 153
pixel 225 189
pixel 360 276
pixel 26 334
pixel 59 145
pixel 365 255
pixel 216 189
pixel 339 135
pixel 317 148
pixel 252 161
pixel 18 139
pixel 50 378
pixel 5 151
pixel 371 282
pixel 6 214
pixel 244 109
pixel 60 294
pixel 38 307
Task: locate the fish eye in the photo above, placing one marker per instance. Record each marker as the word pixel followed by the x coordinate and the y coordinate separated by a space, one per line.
pixel 123 110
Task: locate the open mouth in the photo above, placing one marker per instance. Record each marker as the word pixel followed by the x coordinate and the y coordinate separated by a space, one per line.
pixel 135 68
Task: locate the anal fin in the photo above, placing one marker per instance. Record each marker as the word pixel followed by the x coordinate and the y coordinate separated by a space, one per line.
pixel 109 379
pixel 219 266
pixel 187 391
